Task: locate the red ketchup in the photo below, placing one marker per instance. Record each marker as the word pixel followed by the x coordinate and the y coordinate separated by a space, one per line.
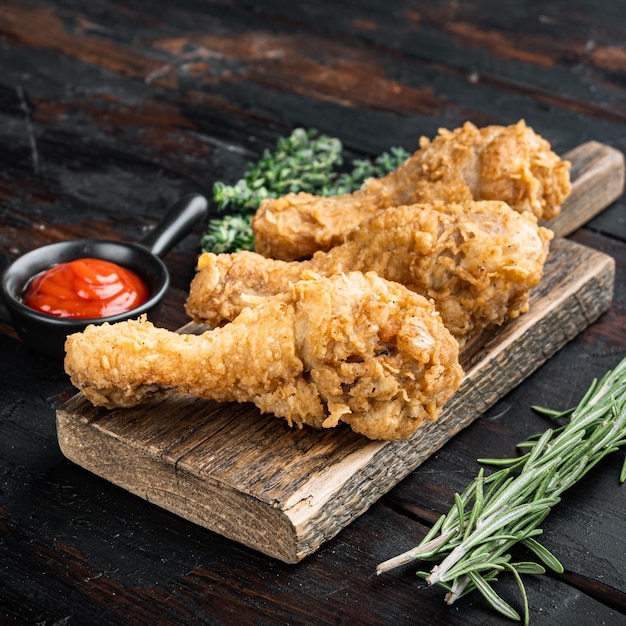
pixel 85 288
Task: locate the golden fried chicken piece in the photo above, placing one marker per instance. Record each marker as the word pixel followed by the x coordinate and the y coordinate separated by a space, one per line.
pixel 353 348
pixel 477 262
pixel 508 163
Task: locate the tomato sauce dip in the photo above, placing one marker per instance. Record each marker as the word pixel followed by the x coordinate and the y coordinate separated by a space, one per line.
pixel 85 288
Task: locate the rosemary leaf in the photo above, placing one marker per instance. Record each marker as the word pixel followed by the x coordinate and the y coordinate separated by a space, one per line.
pixel 460 512
pixel 435 529
pixel 546 557
pixel 477 509
pixel 475 565
pixel 492 597
pixel 509 462
pixel 522 589
pixel 528 567
pixel 495 480
pixel 542 410
pixel 540 446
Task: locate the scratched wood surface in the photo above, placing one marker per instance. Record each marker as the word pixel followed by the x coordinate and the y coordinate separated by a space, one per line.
pixel 110 111
pixel 285 492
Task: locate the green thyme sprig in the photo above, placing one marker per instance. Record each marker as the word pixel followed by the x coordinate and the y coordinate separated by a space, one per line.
pixel 362 169
pixel 230 233
pixel 304 161
pixel 496 512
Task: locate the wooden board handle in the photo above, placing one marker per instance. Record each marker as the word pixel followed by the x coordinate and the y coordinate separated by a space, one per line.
pixel 597 181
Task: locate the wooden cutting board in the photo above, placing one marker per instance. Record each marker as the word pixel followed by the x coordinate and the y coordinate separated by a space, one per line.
pixel 285 491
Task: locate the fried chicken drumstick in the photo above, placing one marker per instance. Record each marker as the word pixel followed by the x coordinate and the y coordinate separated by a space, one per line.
pixel 353 348
pixel 508 163
pixel 477 262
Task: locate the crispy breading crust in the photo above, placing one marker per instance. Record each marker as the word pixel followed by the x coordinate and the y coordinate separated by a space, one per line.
pixel 477 262
pixel 353 348
pixel 508 163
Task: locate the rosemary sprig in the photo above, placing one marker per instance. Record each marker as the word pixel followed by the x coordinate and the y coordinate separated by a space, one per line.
pixel 304 161
pixel 496 512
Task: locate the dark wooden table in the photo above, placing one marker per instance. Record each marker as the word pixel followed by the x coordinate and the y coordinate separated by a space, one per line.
pixel 112 110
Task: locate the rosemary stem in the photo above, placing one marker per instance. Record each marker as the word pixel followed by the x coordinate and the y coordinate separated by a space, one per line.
pixel 438 572
pixel 413 553
pixel 457 589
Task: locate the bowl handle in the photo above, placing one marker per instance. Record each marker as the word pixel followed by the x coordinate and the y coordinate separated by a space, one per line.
pixel 182 218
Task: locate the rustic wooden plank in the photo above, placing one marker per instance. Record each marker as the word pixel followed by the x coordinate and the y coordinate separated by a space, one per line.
pixel 597 176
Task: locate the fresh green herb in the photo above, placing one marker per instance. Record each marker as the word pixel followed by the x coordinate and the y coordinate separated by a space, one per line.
pixel 303 161
pixel 362 169
pixel 230 233
pixel 495 512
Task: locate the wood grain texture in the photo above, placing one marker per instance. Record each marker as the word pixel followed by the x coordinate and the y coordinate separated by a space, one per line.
pixel 286 491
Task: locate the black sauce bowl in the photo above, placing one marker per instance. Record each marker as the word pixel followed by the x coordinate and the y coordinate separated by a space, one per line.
pixel 46 334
